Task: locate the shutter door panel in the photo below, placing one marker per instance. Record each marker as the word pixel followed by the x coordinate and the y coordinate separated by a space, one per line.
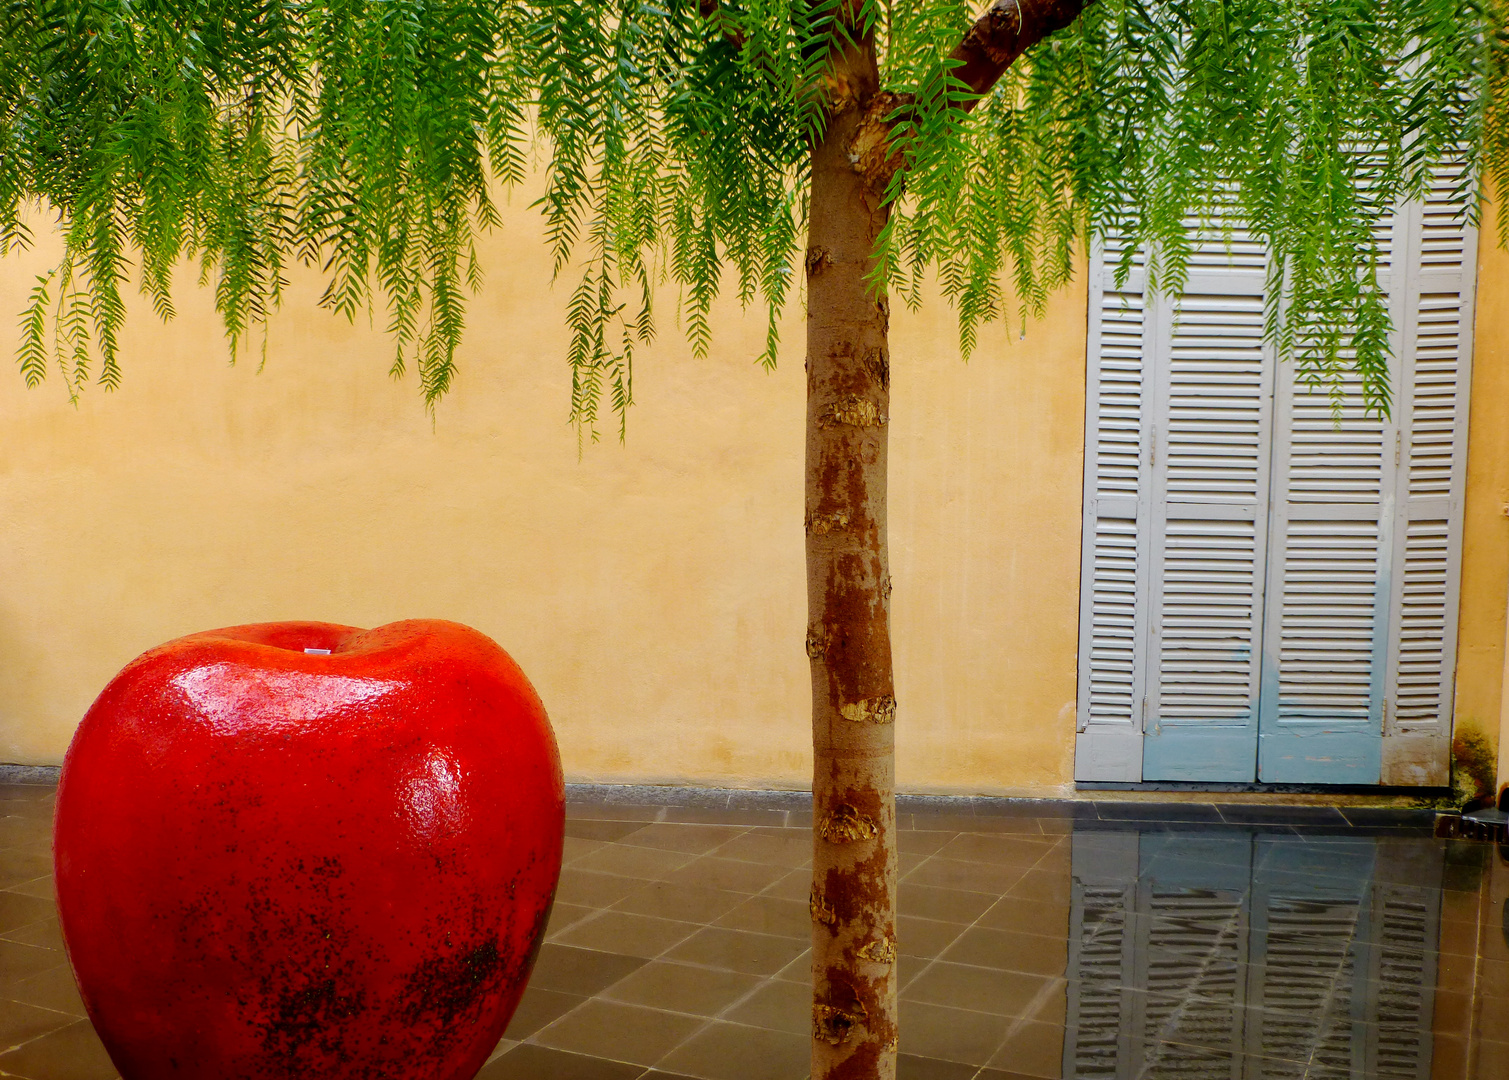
pixel 1113 613
pixel 1330 530
pixel 1267 593
pixel 1433 377
pixel 1328 615
pixel 1326 623
pixel 1209 483
pixel 1112 584
pixel 1421 650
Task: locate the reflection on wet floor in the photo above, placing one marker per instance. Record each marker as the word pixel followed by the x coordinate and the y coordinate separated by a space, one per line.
pixel 1253 956
pixel 1043 940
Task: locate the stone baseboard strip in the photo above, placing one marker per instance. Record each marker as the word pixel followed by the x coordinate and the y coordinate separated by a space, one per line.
pixel 30 774
pixel 700 798
pixel 694 798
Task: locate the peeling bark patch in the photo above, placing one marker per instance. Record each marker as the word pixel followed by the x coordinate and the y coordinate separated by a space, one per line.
pixel 834 1026
pixel 879 951
pixel 817 641
pixel 885 588
pixel 853 411
pixel 818 260
pixel 823 524
pixel 870 151
pixel 845 825
pixel 841 89
pixel 821 912
pixel 878 710
pixel 859 655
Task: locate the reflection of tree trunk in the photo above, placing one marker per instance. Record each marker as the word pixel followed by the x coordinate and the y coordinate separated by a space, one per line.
pixel 848 588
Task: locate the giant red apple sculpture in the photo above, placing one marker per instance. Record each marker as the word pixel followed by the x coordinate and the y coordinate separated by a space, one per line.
pixel 277 861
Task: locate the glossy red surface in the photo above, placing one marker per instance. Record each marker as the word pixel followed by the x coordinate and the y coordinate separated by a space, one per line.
pixel 272 863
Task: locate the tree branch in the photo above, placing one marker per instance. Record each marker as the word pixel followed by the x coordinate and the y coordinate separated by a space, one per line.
pixel 711 10
pixel 1007 29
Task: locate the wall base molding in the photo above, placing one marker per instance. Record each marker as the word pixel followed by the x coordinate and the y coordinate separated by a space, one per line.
pixel 30 774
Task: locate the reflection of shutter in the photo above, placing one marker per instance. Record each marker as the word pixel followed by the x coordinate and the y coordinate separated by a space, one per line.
pixel 1112 618
pixel 1192 962
pixel 1430 405
pixel 1308 978
pixel 1212 413
pixel 1407 919
pixel 1101 947
pixel 1251 957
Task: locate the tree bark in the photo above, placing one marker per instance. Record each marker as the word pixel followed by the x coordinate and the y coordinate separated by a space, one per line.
pixel 854 865
pixel 854 861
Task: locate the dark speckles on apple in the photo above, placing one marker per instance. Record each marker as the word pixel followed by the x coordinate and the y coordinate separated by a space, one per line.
pixel 443 990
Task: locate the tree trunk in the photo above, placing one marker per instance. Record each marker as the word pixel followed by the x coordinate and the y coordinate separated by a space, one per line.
pixel 848 597
pixel 854 860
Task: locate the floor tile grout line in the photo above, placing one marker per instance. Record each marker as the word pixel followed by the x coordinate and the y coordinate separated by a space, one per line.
pixel 663 956
pixel 973 925
pixel 723 1015
pixel 598 996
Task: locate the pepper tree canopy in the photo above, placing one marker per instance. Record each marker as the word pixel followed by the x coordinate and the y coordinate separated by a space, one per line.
pixel 370 137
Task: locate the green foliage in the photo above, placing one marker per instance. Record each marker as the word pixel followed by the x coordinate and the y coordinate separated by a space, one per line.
pixel 368 137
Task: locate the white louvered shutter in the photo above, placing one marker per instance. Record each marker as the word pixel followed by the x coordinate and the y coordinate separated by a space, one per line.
pixel 1430 405
pixel 1113 585
pixel 1212 413
pixel 1326 627
pixel 1268 593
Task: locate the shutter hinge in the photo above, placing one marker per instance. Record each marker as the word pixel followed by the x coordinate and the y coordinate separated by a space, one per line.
pixel 1152 457
pixel 1398 444
pixel 1143 725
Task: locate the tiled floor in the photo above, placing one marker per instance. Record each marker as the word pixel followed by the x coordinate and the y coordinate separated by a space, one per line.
pixel 1037 940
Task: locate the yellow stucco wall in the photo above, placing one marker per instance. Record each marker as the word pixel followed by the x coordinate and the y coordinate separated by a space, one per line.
pixel 1485 529
pixel 654 592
